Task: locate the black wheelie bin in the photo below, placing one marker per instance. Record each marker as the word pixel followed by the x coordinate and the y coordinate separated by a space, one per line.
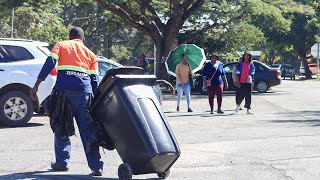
pixel 128 110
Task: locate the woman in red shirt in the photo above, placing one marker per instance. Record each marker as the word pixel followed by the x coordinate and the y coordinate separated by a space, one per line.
pixel 245 71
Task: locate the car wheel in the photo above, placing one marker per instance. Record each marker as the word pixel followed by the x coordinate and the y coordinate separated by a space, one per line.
pixel 16 108
pixel 262 86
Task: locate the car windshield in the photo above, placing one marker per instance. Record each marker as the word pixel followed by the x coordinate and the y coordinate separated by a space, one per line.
pixel 263 64
pixel 44 49
pixel 104 67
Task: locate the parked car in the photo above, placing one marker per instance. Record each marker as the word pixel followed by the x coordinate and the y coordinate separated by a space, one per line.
pixel 313 68
pixel 20 63
pixel 286 70
pixel 106 64
pixel 265 77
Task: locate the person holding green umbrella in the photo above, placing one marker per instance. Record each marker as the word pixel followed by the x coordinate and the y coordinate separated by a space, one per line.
pixel 183 71
pixel 195 58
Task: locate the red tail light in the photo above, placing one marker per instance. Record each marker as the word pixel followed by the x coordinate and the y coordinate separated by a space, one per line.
pixel 54 71
pixel 278 73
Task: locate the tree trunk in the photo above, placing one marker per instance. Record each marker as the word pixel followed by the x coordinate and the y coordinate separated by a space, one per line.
pixel 163 47
pixel 162 52
pixel 307 71
pixel 271 60
pixel 160 66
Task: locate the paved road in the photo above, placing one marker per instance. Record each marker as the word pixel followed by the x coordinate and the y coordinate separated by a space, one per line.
pixel 280 141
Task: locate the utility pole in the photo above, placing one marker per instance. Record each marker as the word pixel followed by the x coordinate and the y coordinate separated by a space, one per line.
pixel 318 58
pixel 12 23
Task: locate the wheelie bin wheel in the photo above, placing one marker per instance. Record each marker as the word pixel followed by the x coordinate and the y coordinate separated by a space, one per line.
pixel 164 175
pixel 125 172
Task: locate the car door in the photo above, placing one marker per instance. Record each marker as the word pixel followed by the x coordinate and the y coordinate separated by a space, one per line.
pixel 263 73
pixel 5 68
pixel 260 73
pixel 24 67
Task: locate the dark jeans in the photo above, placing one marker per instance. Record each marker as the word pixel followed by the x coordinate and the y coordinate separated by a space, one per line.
pixel 79 102
pixel 244 92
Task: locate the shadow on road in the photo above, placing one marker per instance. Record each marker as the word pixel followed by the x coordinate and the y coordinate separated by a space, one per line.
pixel 200 114
pixel 173 97
pixel 313 113
pixel 41 175
pixel 27 125
pixel 312 122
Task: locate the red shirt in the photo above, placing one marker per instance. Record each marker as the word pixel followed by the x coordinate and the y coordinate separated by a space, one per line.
pixel 245 72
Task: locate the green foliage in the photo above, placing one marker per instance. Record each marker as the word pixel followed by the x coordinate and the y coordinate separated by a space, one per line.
pixel 35 20
pixel 238 36
pixel 269 19
pixel 282 28
pixel 120 52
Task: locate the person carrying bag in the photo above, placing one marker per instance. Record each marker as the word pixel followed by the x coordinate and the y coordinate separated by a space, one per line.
pixel 217 83
pixel 207 82
pixel 245 71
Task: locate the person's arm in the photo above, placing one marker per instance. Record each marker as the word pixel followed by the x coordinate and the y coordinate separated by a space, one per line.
pixel 46 69
pixel 205 72
pixel 190 70
pixel 238 69
pixel 34 90
pixel 252 69
pixel 224 78
pixel 178 78
pixel 225 82
pixel 235 78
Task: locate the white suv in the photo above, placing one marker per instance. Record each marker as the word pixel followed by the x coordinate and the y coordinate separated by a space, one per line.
pixel 20 64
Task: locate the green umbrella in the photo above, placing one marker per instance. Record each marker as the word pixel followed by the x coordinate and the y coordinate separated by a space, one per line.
pixel 195 56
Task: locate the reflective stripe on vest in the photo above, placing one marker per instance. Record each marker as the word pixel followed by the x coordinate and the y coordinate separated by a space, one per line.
pixel 77 68
pixel 55 56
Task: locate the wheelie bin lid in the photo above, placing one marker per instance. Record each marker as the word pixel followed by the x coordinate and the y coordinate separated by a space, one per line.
pixel 119 70
pixel 125 80
pixel 122 70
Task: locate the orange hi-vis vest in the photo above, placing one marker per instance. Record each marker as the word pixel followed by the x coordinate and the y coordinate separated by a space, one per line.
pixel 77 67
pixel 74 55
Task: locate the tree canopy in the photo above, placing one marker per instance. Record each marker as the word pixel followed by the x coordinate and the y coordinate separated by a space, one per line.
pixel 124 29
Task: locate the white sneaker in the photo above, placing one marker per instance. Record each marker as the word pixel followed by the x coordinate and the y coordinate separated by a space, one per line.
pixel 237 109
pixel 249 111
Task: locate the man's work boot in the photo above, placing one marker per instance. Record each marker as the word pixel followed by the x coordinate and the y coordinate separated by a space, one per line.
pixel 97 172
pixel 56 167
